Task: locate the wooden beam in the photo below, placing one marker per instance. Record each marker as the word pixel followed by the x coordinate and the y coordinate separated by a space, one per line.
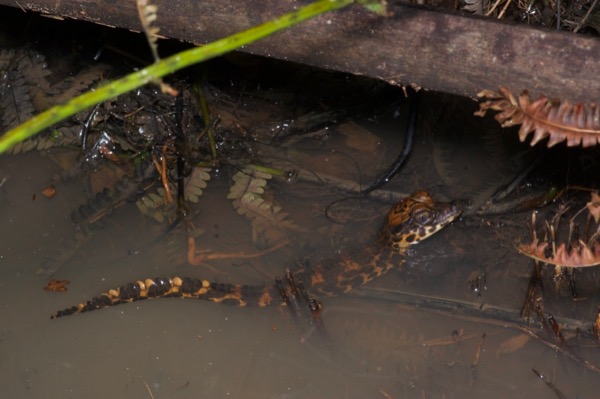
pixel 451 53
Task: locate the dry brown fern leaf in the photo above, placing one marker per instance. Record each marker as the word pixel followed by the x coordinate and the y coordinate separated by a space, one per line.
pixel 559 121
pixel 580 255
pixel 573 253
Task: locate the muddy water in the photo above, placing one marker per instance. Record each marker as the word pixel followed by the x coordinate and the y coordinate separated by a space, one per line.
pixel 375 346
pixel 375 343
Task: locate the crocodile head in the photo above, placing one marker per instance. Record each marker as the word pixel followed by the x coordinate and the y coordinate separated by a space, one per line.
pixel 416 218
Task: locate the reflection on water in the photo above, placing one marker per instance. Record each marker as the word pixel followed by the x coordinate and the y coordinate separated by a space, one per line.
pixel 372 346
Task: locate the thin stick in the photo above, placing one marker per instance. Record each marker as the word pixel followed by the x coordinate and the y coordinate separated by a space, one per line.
pixel 585 18
pixel 147 14
pixel 148 388
pixel 197 259
pixel 161 167
pixel 504 9
pixel 558 393
pixel 559 349
pixel 496 4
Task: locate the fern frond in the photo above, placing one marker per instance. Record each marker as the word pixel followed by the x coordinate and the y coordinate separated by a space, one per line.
pixel 580 255
pixel 23 146
pixel 22 82
pixel 75 85
pixel 15 102
pixel 6 57
pixel 263 214
pixel 248 181
pixel 147 14
pixel 61 137
pixel 268 220
pixel 559 121
pixel 25 90
pixel 474 6
pixel 32 66
pixel 153 203
pixel 195 183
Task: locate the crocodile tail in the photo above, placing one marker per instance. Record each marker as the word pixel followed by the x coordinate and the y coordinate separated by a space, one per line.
pixel 183 287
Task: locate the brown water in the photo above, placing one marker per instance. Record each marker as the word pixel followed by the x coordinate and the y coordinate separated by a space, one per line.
pixel 377 345
pixel 183 349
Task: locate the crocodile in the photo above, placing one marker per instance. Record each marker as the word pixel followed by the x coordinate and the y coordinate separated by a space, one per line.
pixel 408 222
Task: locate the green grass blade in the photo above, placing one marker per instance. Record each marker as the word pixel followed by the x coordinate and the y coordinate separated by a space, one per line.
pixel 162 68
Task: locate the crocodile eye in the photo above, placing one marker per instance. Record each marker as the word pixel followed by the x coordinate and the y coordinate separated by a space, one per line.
pixel 422 217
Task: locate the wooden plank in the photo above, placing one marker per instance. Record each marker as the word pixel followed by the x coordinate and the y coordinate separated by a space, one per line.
pixel 450 53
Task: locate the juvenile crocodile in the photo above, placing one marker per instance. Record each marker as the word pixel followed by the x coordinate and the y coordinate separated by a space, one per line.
pixel 408 222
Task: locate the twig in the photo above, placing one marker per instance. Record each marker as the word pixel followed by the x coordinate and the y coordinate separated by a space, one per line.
pixel 585 17
pixel 161 167
pixel 496 4
pixel 559 349
pixel 148 388
pixel 327 180
pixel 197 259
pixel 487 314
pixel 558 393
pixel 478 352
pixel 504 9
pixel 465 310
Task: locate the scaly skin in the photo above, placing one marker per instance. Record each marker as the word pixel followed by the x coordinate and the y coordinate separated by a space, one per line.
pixel 408 222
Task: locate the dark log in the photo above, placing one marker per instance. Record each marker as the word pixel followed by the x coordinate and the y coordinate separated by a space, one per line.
pixel 437 51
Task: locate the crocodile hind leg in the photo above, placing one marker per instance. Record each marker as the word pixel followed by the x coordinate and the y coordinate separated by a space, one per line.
pixel 299 302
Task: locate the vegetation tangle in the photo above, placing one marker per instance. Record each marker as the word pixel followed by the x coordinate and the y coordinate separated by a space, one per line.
pixel 161 68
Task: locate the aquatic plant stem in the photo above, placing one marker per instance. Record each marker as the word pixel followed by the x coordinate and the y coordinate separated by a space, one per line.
pixel 163 68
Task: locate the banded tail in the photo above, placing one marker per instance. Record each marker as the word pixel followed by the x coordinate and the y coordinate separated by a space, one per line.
pixel 183 287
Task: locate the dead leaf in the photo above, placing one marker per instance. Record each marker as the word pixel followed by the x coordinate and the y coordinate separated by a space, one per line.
pixel 581 255
pixel 577 124
pixel 49 192
pixel 57 285
pixel 594 206
pixel 512 344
